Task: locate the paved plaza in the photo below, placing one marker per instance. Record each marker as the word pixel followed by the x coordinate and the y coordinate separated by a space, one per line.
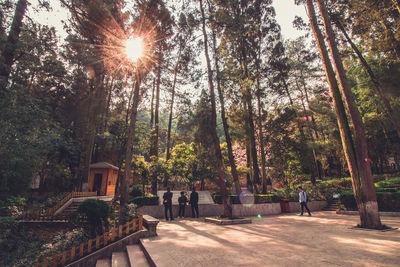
pixel 326 239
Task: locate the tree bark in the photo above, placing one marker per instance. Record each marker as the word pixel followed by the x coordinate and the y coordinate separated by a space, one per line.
pixel 378 88
pixel 129 150
pixel 9 47
pixel 364 194
pixel 231 157
pixel 217 148
pixel 155 131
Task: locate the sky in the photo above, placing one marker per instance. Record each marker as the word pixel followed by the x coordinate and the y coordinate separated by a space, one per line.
pixel 285 10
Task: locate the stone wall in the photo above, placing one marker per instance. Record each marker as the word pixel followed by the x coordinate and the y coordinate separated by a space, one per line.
pixel 238 209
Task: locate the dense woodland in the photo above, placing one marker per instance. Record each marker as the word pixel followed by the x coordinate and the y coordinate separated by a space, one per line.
pixel 218 96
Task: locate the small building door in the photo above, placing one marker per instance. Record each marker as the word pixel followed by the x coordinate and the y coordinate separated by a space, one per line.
pixel 98 179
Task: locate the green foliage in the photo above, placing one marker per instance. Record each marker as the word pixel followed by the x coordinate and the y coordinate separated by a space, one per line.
pixel 136 191
pixel 392 183
pixel 266 198
pixel 145 201
pixel 97 213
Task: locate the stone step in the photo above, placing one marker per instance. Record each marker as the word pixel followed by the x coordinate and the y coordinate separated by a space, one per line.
pixel 119 259
pixel 103 263
pixel 136 256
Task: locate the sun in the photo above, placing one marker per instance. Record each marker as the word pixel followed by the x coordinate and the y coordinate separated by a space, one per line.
pixel 134 48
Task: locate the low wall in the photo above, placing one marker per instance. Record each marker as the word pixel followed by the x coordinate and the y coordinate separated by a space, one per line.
pixel 313 205
pixel 244 210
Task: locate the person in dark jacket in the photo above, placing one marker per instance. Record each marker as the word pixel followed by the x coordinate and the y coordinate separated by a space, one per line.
pixel 167 201
pixel 182 203
pixel 194 203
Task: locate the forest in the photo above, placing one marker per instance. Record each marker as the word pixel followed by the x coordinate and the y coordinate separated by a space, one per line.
pixel 218 96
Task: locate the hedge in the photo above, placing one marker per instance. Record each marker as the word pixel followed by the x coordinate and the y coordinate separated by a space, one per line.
pixel 258 198
pixel 144 201
pixel 387 201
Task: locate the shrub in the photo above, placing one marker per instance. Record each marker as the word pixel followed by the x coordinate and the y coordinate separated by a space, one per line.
pixel 136 191
pixel 97 213
pixel 218 199
pixel 387 201
pixel 269 198
pixel 144 201
pixel 389 183
pixel 347 199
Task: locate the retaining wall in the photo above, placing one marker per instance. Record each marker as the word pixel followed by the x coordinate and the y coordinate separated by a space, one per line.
pixel 239 210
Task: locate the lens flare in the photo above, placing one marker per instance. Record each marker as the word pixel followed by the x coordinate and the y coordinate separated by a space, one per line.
pixel 134 48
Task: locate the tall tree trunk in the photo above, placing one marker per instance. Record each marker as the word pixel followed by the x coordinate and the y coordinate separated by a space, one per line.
pixel 347 142
pixel 171 107
pixel 365 195
pixel 155 131
pixel 129 150
pixel 215 139
pixel 378 88
pixel 231 157
pixel 265 181
pixel 152 103
pixel 8 48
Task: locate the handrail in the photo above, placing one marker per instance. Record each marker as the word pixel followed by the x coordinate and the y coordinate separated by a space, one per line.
pixel 48 213
pixel 77 252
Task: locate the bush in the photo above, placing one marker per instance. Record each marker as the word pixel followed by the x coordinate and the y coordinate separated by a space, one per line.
pixel 144 201
pixel 269 198
pixel 389 183
pixel 218 199
pixel 136 191
pixel 97 213
pixel 347 200
pixel 387 201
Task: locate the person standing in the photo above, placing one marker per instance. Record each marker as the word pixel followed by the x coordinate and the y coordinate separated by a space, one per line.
pixel 182 203
pixel 194 203
pixel 303 198
pixel 167 201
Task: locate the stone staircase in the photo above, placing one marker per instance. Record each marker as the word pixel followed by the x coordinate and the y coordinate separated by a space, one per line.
pixel 333 205
pixel 73 204
pixel 132 257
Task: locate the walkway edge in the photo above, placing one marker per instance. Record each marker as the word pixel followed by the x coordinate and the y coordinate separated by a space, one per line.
pixel 147 254
pixel 381 213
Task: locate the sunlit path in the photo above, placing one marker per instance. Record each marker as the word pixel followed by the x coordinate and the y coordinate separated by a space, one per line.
pixel 287 240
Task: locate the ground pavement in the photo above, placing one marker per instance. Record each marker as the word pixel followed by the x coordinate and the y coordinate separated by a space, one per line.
pixel 326 239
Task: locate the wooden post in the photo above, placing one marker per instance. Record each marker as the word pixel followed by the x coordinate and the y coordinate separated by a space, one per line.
pixel 127 228
pixel 112 234
pixel 120 231
pixel 64 258
pixel 46 262
pixel 105 238
pixel 36 264
pixel 133 225
pixel 55 260
pixel 81 249
pixel 89 246
pixel 141 222
pixel 72 253
pixel 97 242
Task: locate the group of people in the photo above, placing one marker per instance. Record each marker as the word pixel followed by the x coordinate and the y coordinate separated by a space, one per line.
pixel 194 203
pixel 182 200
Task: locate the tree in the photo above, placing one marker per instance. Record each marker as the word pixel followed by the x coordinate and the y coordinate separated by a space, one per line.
pixel 362 180
pixel 213 117
pixel 8 44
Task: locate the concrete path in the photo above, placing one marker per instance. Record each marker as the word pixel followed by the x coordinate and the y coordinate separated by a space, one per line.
pixel 326 239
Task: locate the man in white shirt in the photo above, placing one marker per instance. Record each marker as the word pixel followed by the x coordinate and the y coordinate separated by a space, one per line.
pixel 303 201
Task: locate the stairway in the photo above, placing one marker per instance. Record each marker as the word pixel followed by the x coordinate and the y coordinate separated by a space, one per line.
pixel 73 204
pixel 333 205
pixel 132 257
